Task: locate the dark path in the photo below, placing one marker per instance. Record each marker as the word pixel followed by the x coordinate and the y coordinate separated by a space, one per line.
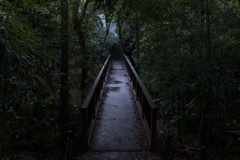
pixel 118 126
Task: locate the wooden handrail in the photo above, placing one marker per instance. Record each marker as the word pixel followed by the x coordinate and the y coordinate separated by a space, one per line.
pixel 146 107
pixel 91 104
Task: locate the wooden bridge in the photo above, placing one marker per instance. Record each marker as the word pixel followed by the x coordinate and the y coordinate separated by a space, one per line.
pixel 119 117
pixel 118 113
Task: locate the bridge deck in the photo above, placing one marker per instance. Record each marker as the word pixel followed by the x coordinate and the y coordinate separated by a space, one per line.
pixel 118 126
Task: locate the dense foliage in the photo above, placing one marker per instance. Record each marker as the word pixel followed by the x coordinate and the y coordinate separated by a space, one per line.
pixel 189 60
pixel 30 104
pixel 186 52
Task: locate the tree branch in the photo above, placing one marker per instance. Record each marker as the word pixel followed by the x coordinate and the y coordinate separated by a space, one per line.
pixel 133 47
pixel 120 37
pixel 76 19
pixel 84 10
pixel 101 23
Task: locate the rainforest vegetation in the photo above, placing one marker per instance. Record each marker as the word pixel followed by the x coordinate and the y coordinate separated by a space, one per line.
pixel 187 53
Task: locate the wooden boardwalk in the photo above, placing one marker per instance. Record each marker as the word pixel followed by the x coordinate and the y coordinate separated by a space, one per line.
pixel 118 125
pixel 119 117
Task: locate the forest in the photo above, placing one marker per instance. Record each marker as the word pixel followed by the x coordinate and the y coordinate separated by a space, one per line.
pixel 186 52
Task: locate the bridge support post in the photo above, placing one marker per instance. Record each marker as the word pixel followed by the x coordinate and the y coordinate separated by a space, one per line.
pixel 70 152
pixel 203 153
pixel 84 129
pixel 73 128
pixel 168 146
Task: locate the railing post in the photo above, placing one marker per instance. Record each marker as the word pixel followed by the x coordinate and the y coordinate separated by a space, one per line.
pixel 203 153
pixel 168 146
pixel 84 128
pixel 154 128
pixel 70 145
pixel 73 128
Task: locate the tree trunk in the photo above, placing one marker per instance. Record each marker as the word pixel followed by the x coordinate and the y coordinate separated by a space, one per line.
pixel 137 32
pixel 5 86
pixel 64 115
pixel 208 40
pixel 104 41
pixel 128 53
pixel 207 101
pixel 202 128
pixel 179 113
pixel 77 22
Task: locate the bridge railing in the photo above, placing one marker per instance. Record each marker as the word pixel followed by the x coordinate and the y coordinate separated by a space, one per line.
pixel 91 104
pixel 147 109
